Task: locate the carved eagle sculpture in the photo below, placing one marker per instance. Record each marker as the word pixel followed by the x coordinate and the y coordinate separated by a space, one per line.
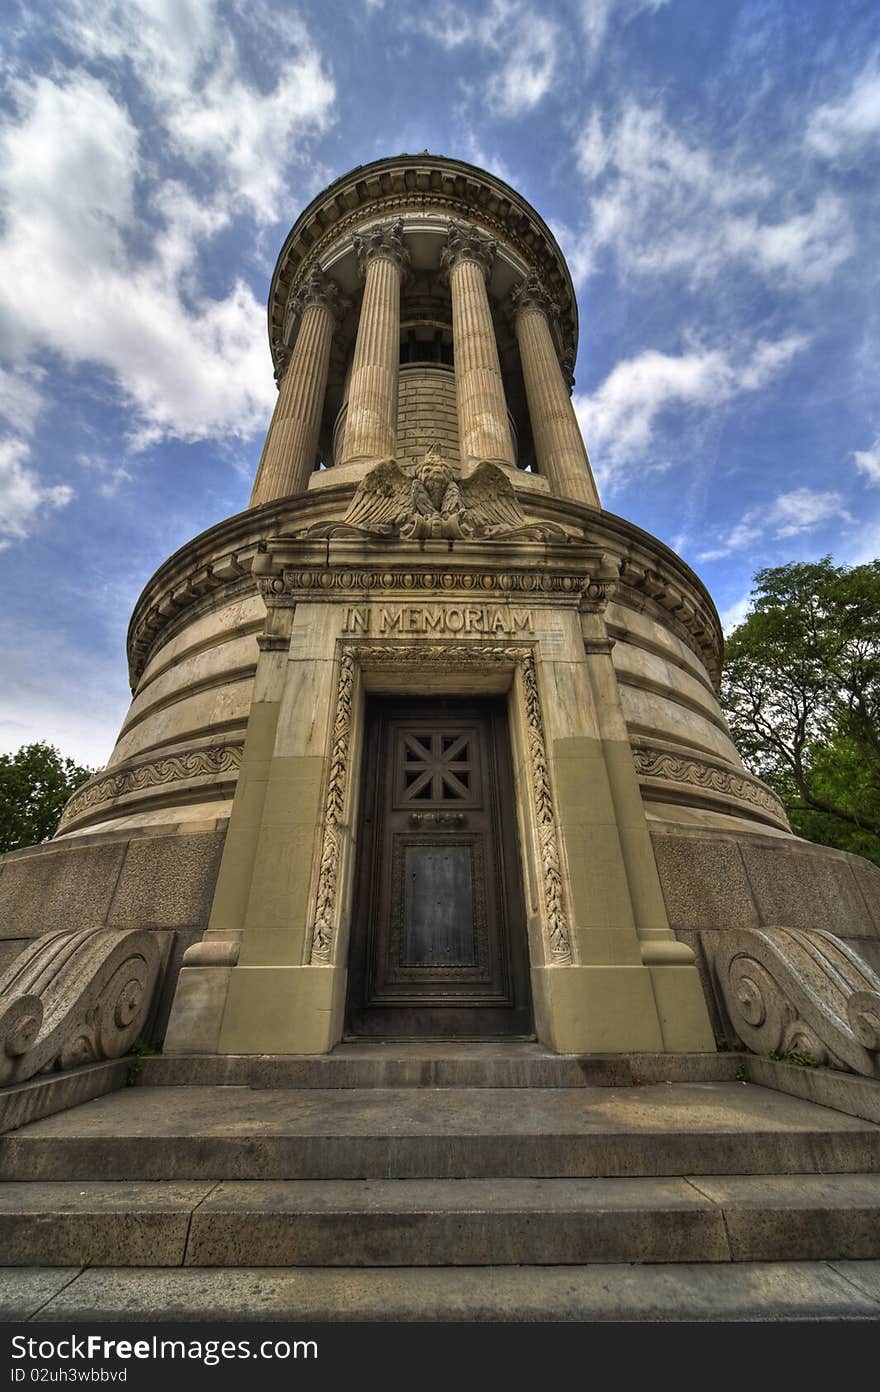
pixel 431 500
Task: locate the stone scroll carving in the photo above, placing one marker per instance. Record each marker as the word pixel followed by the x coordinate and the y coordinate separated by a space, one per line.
pixel 433 500
pixel 478 655
pixel 75 997
pixel 798 991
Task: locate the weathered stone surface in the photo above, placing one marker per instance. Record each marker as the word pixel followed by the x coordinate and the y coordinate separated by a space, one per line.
pixel 167 881
pixel 704 883
pixel 61 886
pixel 454 1222
pixel 804 890
pixel 797 1217
pixel 24 1292
pixel 868 880
pixel 96 1224
pixel 747 1291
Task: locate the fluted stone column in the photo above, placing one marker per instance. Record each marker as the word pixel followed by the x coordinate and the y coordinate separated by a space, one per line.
pixel 483 427
pixel 292 442
pixel 559 446
pixel 371 413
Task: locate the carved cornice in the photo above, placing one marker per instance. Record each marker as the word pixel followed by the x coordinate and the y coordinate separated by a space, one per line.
pixel 466 243
pixel 700 774
pixel 385 240
pixel 213 761
pixel 336 814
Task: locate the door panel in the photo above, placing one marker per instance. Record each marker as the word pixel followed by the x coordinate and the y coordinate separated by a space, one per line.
pixel 438 940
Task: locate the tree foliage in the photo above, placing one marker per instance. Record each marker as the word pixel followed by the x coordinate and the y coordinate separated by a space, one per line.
pixel 35 783
pixel 801 691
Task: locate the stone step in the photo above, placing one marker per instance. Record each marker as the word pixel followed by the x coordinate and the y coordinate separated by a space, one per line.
pixel 515 1064
pixel 302 1296
pixel 440 1223
pixel 674 1129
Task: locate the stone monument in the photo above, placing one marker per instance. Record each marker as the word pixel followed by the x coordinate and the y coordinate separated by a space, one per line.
pixel 425 743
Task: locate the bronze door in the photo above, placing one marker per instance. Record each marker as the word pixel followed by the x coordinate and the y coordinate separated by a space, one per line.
pixel 438 935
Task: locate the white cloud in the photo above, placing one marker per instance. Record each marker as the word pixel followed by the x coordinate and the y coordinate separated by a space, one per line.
pixel 790 514
pixel 868 461
pixel 620 418
pixel 190 366
pixel 523 42
pixel 22 496
pixel 842 128
pixel 735 613
pixel 664 203
pixel 246 129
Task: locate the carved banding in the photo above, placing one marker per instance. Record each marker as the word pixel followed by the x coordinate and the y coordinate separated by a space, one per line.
pixel 213 761
pixel 73 998
pixel 700 774
pixel 793 990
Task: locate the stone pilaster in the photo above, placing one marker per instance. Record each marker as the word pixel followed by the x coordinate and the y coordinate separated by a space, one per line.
pixel 559 446
pixel 371 413
pixel 292 442
pixel 678 994
pixel 484 431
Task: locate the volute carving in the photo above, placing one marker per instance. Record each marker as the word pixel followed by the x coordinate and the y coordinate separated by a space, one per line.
pixel 465 242
pixel 75 997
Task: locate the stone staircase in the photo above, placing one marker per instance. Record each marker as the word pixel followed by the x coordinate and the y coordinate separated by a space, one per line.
pixel 431 1159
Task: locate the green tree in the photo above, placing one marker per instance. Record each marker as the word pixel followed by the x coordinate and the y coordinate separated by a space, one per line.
pixel 35 783
pixel 801 691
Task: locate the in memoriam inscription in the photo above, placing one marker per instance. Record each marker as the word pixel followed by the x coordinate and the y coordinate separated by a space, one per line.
pixel 435 618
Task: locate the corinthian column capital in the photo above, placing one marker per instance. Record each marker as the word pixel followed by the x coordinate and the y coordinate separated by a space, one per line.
pixel 532 293
pixel 385 240
pixel 465 243
pixel 317 289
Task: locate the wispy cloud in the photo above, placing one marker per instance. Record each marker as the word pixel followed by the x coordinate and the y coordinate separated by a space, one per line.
pixel 868 461
pixel 841 128
pixel 23 497
pixel 620 418
pixel 664 203
pixel 523 40
pixel 788 515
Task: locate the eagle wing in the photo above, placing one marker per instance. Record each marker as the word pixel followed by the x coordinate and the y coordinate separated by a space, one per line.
pixel 380 499
pixel 489 500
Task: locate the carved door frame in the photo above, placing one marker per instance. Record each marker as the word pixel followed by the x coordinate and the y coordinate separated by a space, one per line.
pixel 394 668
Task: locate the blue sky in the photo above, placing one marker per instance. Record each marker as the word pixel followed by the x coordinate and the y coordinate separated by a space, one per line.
pixel 710 168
